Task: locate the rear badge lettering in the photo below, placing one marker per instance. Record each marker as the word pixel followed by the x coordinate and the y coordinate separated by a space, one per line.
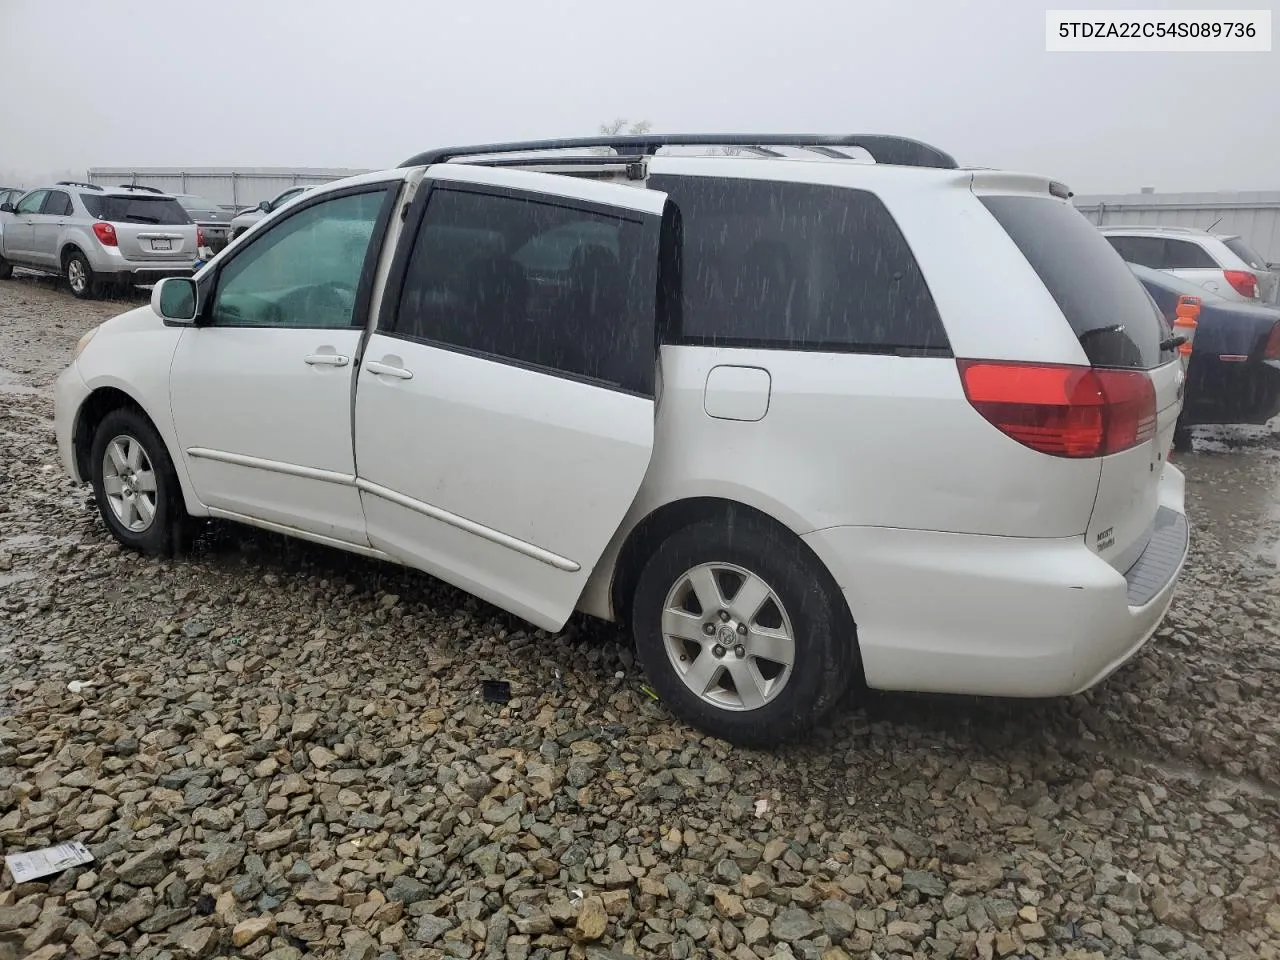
pixel 1106 539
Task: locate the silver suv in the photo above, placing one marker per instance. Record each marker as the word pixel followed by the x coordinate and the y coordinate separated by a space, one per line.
pixel 1222 263
pixel 97 237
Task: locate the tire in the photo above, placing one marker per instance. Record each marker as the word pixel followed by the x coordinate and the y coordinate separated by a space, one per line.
pixel 6 269
pixel 142 508
pixel 79 276
pixel 802 600
pixel 1182 439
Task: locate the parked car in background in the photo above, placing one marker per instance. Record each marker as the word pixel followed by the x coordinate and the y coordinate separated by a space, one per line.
pixel 246 219
pixel 1221 263
pixel 213 220
pixel 98 237
pixel 10 194
pixel 766 521
pixel 1234 370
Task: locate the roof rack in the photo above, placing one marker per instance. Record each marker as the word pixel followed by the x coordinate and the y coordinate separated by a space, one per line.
pixel 139 186
pixel 899 151
pixel 78 183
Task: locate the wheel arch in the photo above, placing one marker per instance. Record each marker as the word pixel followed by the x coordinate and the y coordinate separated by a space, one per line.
pixel 71 246
pixel 101 401
pixel 664 520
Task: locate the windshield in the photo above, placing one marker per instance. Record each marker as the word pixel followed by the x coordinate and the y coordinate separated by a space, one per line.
pixel 199 205
pixel 134 209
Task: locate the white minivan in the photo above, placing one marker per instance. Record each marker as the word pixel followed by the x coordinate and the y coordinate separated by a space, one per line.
pixel 796 420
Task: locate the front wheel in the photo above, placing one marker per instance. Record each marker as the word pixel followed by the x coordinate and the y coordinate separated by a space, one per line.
pixel 80 276
pixel 742 632
pixel 134 484
pixel 6 269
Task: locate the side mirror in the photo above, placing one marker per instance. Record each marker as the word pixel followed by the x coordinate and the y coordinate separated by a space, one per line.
pixel 174 300
pixel 265 206
pixel 7 207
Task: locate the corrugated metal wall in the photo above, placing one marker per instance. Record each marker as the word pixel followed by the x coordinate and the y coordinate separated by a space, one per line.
pixel 238 187
pixel 1253 215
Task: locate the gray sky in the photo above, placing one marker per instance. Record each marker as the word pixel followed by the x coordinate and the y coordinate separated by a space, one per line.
pixel 341 83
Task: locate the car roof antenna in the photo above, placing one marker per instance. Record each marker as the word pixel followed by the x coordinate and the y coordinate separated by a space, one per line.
pixel 1209 229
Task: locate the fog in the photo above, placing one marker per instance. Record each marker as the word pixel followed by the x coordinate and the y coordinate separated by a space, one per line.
pixel 332 83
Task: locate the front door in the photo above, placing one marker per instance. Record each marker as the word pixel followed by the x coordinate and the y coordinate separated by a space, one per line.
pixel 19 230
pixel 261 387
pixel 505 404
pixel 47 227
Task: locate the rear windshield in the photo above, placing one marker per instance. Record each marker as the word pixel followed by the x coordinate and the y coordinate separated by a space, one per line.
pixel 198 205
pixel 159 210
pixel 1115 320
pixel 1245 253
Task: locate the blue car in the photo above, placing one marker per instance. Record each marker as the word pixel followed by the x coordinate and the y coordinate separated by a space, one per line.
pixel 1234 374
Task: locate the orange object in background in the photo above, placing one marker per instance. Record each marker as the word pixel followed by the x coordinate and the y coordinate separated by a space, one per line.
pixel 1186 320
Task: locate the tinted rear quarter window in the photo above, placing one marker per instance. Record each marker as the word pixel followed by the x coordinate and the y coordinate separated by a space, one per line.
pixel 1111 313
pixel 164 211
pixel 796 266
pixel 1245 253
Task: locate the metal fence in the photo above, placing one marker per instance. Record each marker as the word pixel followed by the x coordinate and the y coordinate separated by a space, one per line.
pixel 1253 215
pixel 233 187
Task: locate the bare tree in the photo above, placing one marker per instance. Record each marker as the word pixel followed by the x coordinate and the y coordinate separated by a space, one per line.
pixel 620 126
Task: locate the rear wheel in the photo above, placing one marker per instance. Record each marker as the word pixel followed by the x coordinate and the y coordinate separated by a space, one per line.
pixel 6 269
pixel 1182 438
pixel 742 632
pixel 134 484
pixel 80 276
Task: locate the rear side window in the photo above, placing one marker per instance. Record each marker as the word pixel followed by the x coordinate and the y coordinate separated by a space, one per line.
pixel 155 210
pixel 1245 253
pixel 58 204
pixel 1185 255
pixel 1114 318
pixel 556 287
pixel 797 266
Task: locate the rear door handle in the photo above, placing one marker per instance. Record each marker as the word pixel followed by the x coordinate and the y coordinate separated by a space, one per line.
pixel 386 370
pixel 326 360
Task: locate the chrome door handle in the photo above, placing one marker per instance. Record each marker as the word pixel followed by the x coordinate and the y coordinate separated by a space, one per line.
pixel 326 360
pixel 386 370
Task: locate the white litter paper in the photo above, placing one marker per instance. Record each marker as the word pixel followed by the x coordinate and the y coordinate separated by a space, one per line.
pixel 40 863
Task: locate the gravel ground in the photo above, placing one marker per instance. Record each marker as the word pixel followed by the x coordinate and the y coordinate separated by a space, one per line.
pixel 284 752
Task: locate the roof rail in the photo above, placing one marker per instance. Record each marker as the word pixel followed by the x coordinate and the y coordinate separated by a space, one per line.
pixel 139 186
pixel 899 151
pixel 78 183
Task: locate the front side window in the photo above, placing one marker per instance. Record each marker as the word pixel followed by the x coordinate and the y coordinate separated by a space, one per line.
pixel 304 271
pixel 799 266
pixel 1144 251
pixel 33 202
pixel 285 197
pixel 556 287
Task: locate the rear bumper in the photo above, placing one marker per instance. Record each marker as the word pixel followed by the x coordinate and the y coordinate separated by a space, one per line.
pixel 1001 616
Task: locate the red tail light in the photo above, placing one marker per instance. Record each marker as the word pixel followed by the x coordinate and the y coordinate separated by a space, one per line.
pixel 199 237
pixel 1272 350
pixel 106 234
pixel 1063 410
pixel 1244 282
